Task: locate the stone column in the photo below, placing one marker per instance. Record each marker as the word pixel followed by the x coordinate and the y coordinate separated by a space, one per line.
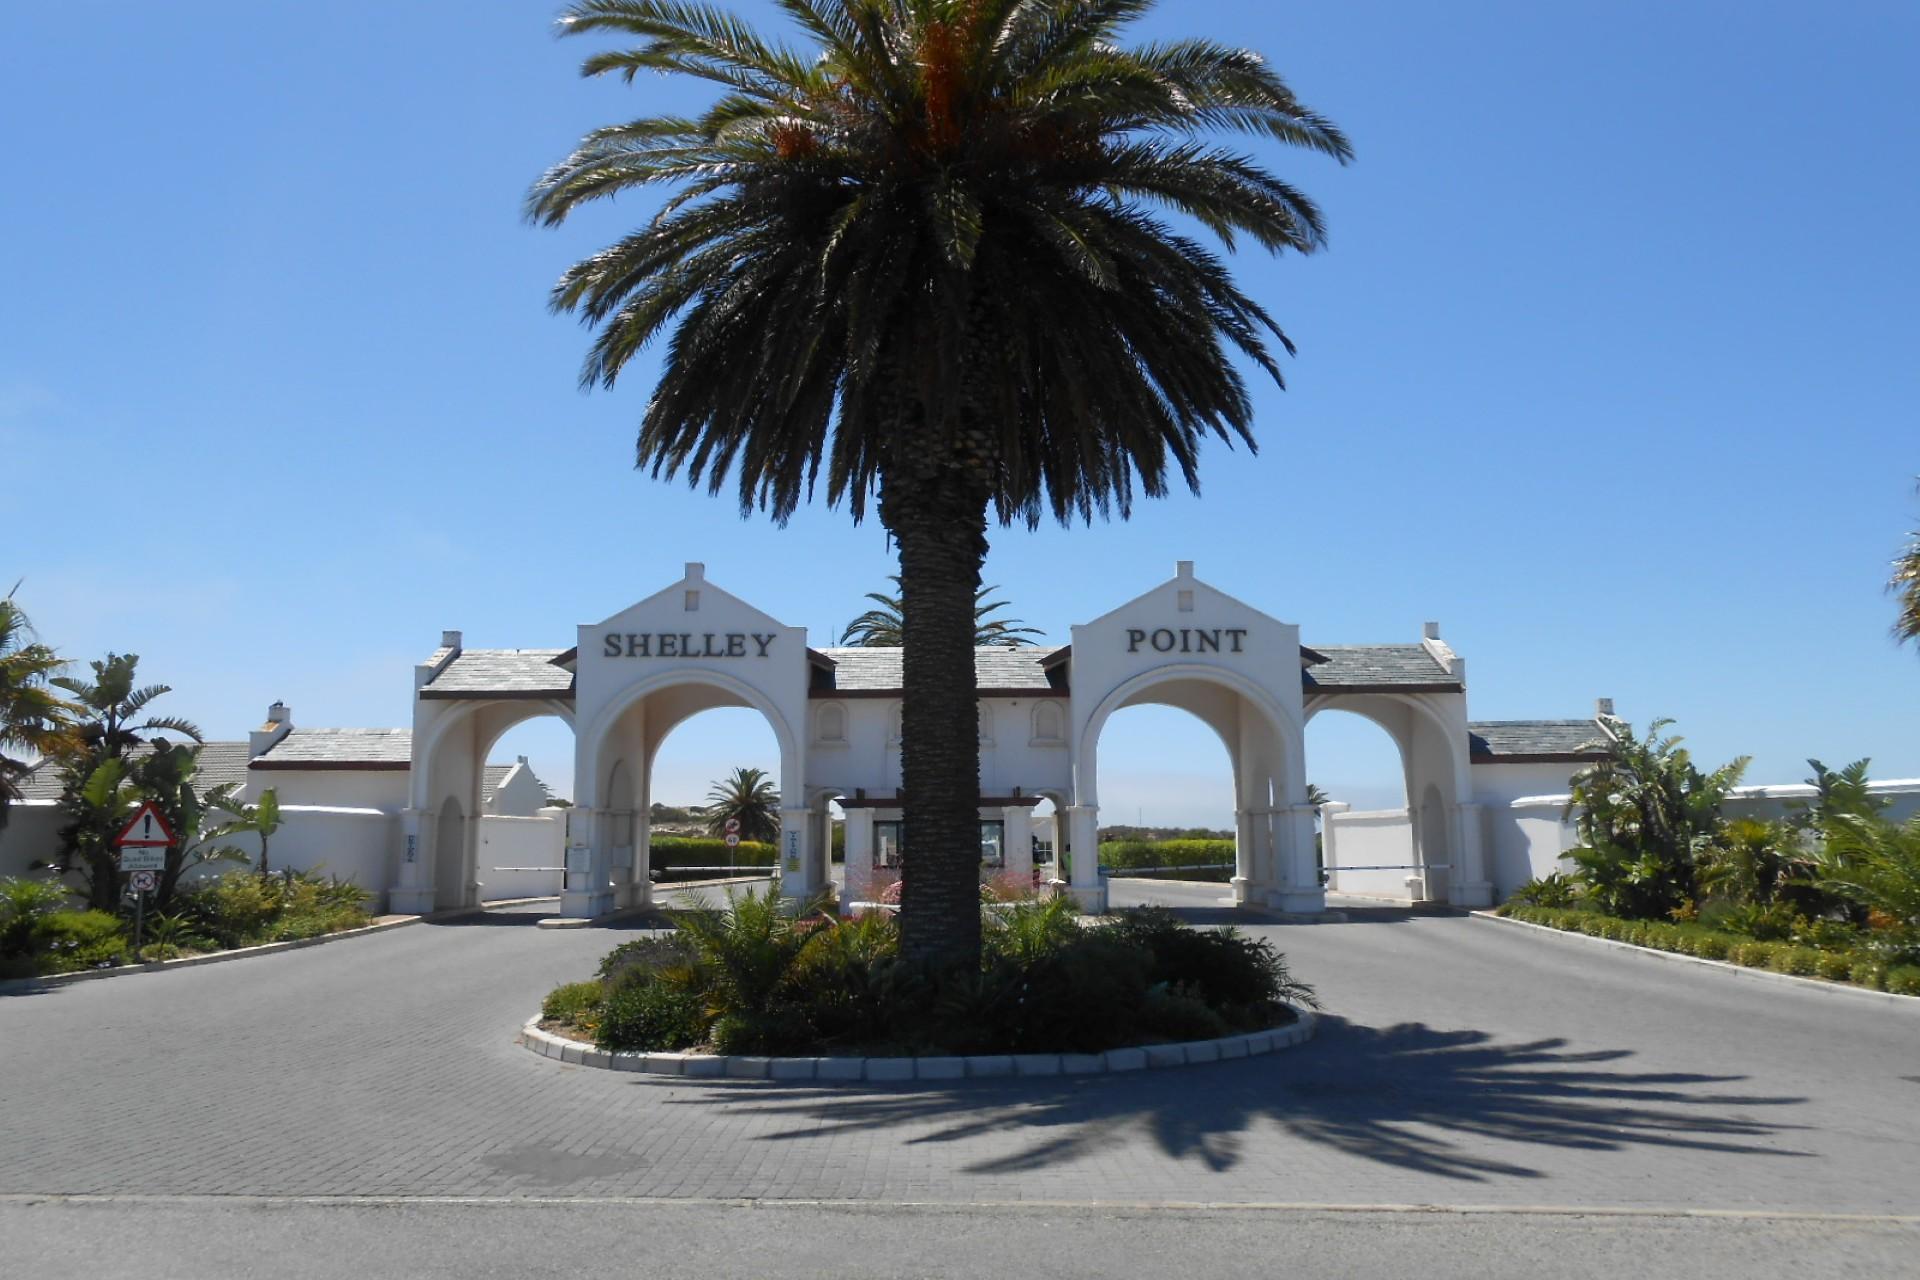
pixel 1469 886
pixel 1246 880
pixel 1017 843
pixel 1303 893
pixel 1089 890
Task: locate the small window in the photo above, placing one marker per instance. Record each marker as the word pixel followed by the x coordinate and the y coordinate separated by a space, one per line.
pixel 886 845
pixel 993 844
pixel 830 722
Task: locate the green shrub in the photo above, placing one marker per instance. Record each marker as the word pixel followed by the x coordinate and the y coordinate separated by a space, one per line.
pixel 1834 966
pixel 665 854
pixel 649 956
pixel 1228 969
pixel 1904 980
pixel 1775 922
pixel 576 1004
pixel 1754 955
pixel 647 1014
pixel 1173 1014
pixel 1550 890
pixel 68 941
pixel 1127 855
pixel 1801 961
pixel 1711 946
pixel 1867 969
pixel 22 904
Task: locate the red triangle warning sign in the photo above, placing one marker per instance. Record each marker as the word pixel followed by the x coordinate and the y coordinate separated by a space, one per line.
pixel 147 830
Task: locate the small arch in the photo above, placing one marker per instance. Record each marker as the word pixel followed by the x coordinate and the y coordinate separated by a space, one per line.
pixel 985 718
pixel 1049 724
pixel 830 723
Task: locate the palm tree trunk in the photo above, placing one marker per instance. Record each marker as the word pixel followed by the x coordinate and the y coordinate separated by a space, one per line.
pixel 941 535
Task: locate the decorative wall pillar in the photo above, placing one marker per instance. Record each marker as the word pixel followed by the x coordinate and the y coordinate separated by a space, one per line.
pixel 1246 877
pixel 1329 844
pixel 412 890
pixel 1088 889
pixel 859 858
pixel 1469 885
pixel 1016 843
pixel 797 879
pixel 1302 892
pixel 587 890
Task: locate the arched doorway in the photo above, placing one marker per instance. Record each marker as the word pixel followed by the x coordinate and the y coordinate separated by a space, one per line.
pixel 608 855
pixel 1272 822
pixel 1410 843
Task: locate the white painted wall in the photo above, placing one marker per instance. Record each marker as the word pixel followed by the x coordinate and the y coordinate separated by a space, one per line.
pixel 332 788
pixel 522 857
pixel 1381 837
pixel 32 826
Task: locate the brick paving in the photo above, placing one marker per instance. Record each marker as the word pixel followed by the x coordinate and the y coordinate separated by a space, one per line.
pixel 1462 1063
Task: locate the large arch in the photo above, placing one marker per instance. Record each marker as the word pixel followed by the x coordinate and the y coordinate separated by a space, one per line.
pixel 607 856
pixel 1440 828
pixel 439 866
pixel 1273 848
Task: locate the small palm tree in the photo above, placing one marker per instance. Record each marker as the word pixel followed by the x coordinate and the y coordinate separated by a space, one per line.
pixel 925 262
pixel 1905 585
pixel 883 627
pixel 32 716
pixel 749 796
pixel 260 819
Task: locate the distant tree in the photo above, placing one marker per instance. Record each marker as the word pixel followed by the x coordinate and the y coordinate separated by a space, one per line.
pixel 32 716
pixel 883 627
pixel 750 796
pixel 1905 585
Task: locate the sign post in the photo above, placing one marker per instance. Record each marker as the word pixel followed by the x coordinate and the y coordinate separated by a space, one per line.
pixel 143 845
pixel 733 847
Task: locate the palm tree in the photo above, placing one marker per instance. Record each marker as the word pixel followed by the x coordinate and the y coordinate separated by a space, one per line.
pixel 924 262
pixel 94 761
pixel 882 627
pixel 32 715
pixel 262 818
pixel 1905 585
pixel 750 796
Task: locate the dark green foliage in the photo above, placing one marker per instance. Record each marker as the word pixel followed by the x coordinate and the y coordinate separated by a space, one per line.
pixel 882 627
pixel 1550 890
pixel 66 941
pixel 750 979
pixel 575 1003
pixel 667 853
pixel 651 1014
pixel 1904 980
pixel 243 910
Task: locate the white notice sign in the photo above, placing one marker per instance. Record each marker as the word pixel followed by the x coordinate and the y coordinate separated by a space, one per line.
pixel 135 858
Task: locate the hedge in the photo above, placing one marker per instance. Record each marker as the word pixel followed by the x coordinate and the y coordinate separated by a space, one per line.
pixel 1860 967
pixel 666 853
pixel 1127 855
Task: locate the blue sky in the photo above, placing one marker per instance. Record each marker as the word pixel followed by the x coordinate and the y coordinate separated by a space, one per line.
pixel 1609 368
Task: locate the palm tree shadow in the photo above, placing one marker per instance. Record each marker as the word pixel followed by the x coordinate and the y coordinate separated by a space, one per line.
pixel 1409 1096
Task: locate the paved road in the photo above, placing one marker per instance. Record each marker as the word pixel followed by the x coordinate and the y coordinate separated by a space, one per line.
pixel 1466 1063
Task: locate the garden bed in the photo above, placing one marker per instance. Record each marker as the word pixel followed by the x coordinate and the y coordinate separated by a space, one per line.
pixel 753 982
pixel 1860 967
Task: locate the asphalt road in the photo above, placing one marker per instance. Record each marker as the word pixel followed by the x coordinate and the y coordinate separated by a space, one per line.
pixel 321 1098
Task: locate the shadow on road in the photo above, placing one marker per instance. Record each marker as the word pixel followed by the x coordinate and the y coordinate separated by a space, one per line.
pixel 1411 1096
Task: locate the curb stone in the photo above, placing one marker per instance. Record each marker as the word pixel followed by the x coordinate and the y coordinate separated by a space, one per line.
pixel 1816 984
pixel 904 1070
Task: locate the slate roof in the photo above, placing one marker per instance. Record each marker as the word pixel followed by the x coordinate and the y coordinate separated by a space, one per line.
pixel 339 749
pixel 1500 741
pixel 220 763
pixel 1354 667
pixel 998 669
pixel 496 673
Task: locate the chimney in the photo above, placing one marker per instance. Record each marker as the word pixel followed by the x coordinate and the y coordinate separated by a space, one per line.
pixel 1431 631
pixel 449 639
pixel 1183 570
pixel 1602 708
pixel 279 724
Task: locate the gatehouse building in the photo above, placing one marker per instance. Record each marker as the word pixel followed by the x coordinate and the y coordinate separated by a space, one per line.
pixel 418 816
